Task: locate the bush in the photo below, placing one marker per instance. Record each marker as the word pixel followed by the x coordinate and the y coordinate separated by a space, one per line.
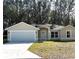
pixel 5 39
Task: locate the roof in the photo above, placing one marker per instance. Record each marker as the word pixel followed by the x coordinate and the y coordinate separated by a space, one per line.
pixel 57 27
pixel 22 26
pixel 42 25
pixel 45 25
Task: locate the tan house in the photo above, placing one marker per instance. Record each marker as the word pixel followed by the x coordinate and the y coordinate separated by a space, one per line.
pixel 23 32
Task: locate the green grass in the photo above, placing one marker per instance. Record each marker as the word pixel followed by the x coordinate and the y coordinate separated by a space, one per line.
pixel 53 50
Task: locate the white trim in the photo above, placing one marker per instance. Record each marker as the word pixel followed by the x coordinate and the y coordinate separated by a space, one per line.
pixel 10 36
pixel 36 32
pixel 35 36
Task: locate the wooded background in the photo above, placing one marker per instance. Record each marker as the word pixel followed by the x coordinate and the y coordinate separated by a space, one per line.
pixel 60 12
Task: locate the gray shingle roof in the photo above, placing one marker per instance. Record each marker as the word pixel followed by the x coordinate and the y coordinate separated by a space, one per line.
pixel 57 27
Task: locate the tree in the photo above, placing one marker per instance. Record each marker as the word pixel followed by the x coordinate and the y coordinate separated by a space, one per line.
pixel 62 11
pixel 28 11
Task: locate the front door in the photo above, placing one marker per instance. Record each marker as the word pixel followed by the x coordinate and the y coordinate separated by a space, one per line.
pixel 43 34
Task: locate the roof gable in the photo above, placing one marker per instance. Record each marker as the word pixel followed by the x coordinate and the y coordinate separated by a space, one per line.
pixel 22 26
pixel 69 26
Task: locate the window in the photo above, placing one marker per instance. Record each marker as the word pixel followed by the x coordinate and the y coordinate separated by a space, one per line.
pixel 68 34
pixel 52 34
pixel 56 34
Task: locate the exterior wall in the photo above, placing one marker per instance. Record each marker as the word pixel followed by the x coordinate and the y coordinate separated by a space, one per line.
pixel 49 33
pixel 63 33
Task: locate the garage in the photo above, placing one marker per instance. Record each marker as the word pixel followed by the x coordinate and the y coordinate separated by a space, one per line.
pixel 22 36
pixel 22 32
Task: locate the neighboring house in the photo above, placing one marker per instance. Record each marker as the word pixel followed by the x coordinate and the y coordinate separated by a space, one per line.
pixel 23 32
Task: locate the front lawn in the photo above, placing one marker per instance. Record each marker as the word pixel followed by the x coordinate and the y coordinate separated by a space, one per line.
pixel 54 50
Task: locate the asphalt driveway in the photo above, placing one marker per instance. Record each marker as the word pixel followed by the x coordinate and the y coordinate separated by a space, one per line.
pixel 18 51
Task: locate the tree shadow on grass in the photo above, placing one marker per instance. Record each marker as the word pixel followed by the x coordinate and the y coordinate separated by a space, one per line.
pixel 62 40
pixel 55 41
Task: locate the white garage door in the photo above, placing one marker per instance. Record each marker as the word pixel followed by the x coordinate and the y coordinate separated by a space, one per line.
pixel 22 36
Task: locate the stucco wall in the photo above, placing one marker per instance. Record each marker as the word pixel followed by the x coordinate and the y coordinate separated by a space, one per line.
pixel 41 35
